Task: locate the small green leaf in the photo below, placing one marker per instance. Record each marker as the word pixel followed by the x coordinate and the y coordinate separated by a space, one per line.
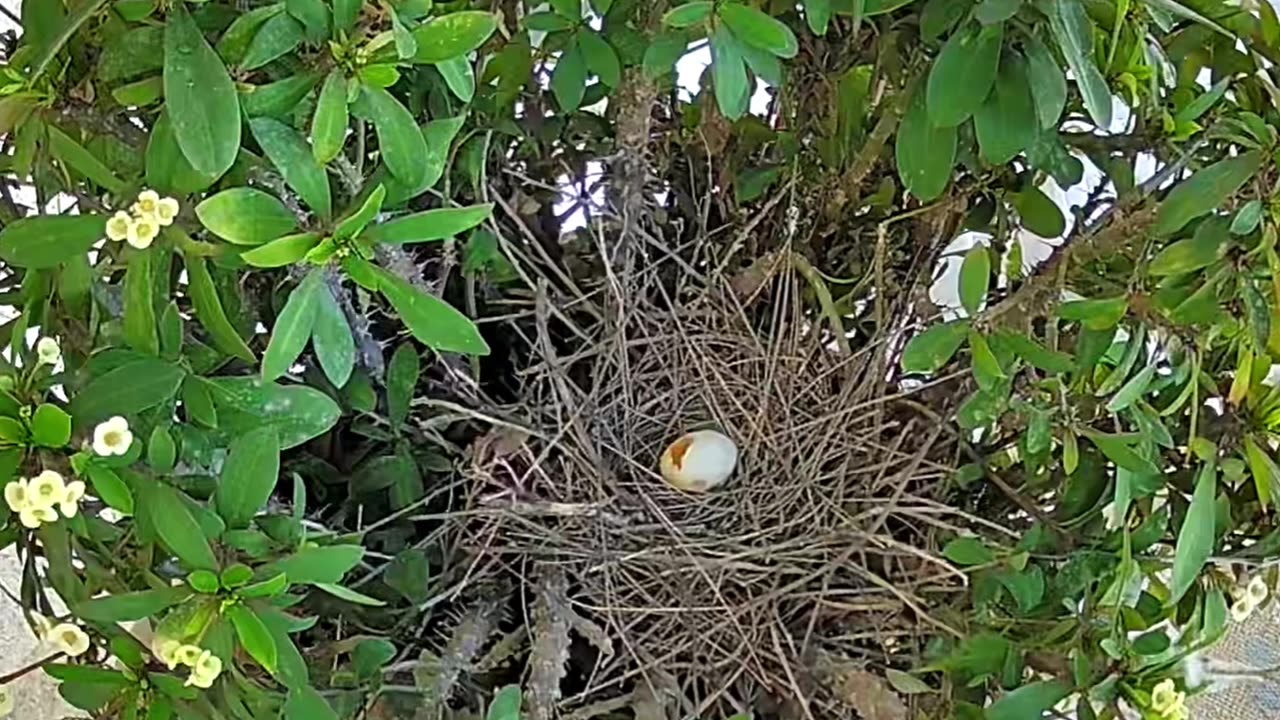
pixel 547 22
pixel 1039 214
pixel 963 74
pixel 1097 314
pixel 279 99
pixel 318 564
pixel 930 350
pixel 569 78
pixel 209 311
pixel 200 97
pixel 132 387
pixel 1037 355
pixel 128 607
pixel 429 225
pixel 600 57
pixel 683 16
pixel 817 13
pixel 203 581
pixel 759 29
pixel 459 76
pixel 1028 701
pixel 293 326
pixel 314 16
pixel 167 169
pixel 505 704
pixel 75 156
pixel 1006 122
pixel 139 323
pixel 351 596
pixel 968 551
pixel 171 327
pixel 293 158
pixel 453 35
pixel 925 154
pixel 161 451
pixel 1132 390
pixel 1247 218
pixel 906 683
pixel 434 322
pixel 1117 450
pixel 1151 643
pixel 409 574
pixel 975 278
pixel 1195 539
pixel 355 223
pixel 329 124
pixel 399 139
pixel 108 486
pixel 50 426
pixel 1074 32
pixel 253 635
pixel 331 338
pixel 304 703
pixel 235 576
pixel 270 587
pixel 297 412
pixel 45 241
pixel 1206 246
pixel 173 522
pixel 249 475
pixel 729 74
pixel 278 36
pixel 1266 475
pixel 281 251
pixel 1205 191
pixel 402 378
pixel 245 216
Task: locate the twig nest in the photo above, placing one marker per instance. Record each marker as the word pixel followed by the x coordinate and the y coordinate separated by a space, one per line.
pixel 699 461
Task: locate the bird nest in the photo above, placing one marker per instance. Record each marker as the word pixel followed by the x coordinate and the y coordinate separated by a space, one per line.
pixel 811 562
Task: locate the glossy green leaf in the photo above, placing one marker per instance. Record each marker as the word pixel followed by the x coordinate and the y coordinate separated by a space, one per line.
pixel 74 155
pixel 817 14
pixel 289 152
pixel 131 387
pixel 1073 30
pixel 1119 451
pixel 758 29
pixel 459 76
pixel 253 636
pixel 108 486
pixel 45 241
pixel 210 313
pixel 167 169
pixel 131 606
pixel 688 14
pixel 925 154
pixel 314 16
pixel 355 223
pixel 1098 314
pixel 505 704
pixel 1131 391
pixel 600 57
pixel 248 476
pixel 161 451
pixel 201 99
pixel 729 74
pixel 304 703
pixel 975 278
pixel 1204 191
pixel 279 35
pixel 429 225
pixel 930 350
pixel 245 216
pixel 968 551
pixel 402 378
pixel 1029 701
pixel 1265 472
pixel 281 251
pixel 270 587
pixel 1195 538
pixel 569 78
pixel 351 596
pixel 298 413
pixel 329 124
pixel 1206 246
pixel 963 74
pixel 435 323
pixel 279 99
pixel 331 338
pixel 139 322
pixel 173 522
pixel 1006 123
pixel 1039 214
pixel 293 326
pixel 324 564
pixel 50 426
pixel 399 139
pixel 453 35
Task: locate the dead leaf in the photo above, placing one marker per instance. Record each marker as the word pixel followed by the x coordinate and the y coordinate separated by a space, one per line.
pixel 869 694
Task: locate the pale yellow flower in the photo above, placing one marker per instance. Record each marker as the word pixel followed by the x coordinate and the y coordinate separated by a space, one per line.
pixel 166 650
pixel 69 639
pixel 1241 609
pixel 118 226
pixel 71 499
pixel 1258 590
pixel 112 437
pixel 43 626
pixel 166 210
pixel 143 231
pixel 16 495
pixel 32 516
pixel 47 489
pixel 188 655
pixel 1167 700
pixel 148 202
pixel 47 351
pixel 6 701
pixel 205 670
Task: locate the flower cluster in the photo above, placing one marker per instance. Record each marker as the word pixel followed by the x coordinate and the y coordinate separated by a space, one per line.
pixel 1246 598
pixel 142 223
pixel 205 666
pixel 39 499
pixel 112 437
pixel 1168 701
pixel 67 638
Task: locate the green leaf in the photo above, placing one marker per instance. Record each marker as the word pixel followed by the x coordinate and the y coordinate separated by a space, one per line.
pixel 817 13
pixel 1151 643
pixel 331 338
pixel 167 169
pixel 278 36
pixel 200 97
pixel 355 223
pixel 349 595
pixel 278 99
pixel 50 426
pixel 254 636
pixel 314 16
pixel 1006 123
pixel 329 124
pixel 453 35
pixel 108 486
pixel 325 564
pixel 459 76
pixel 75 156
pixel 130 388
pixel 963 74
pixel 399 138
pixel 402 378
pixel 66 29
pixel 293 326
pixel 248 476
pixel 994 11
pixel 925 154
pixel 203 581
pixel 141 93
pixel 1195 539
pixel 968 551
pixel 1039 214
pixel 547 22
pixel 1131 391
pixel 209 311
pixel 434 322
pixel 345 15
pixel 1206 246
pixel 439 135
pixel 429 225
pixel 1266 475
pixel 1205 191
pixel 131 54
pixel 1028 701
pixel 505 704
pixel 409 574
pixel 245 216
pixel 683 16
pixel 304 703
pixel 906 683
pixel 127 607
pixel 600 57
pixel 173 522
pixel 1117 450
pixel 729 74
pixel 758 29
pixel 1027 587
pixel 571 9
pixel 1074 32
pixel 45 241
pixel 161 451
pixel 270 587
pixel 1247 218
pixel 281 251
pixel 569 78
pixel 1098 314
pixel 298 413
pixel 292 157
pixel 1039 356
pixel 930 350
pixel 139 322
pixel 975 278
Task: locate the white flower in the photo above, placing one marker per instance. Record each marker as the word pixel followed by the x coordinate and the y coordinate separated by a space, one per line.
pixel 43 626
pixel 143 231
pixel 16 495
pixel 205 670
pixel 6 701
pixel 1241 609
pixel 148 202
pixel 118 226
pixel 48 352
pixel 188 655
pixel 166 650
pixel 1257 590
pixel 69 639
pixel 46 489
pixel 71 499
pixel 166 211
pixel 112 437
pixel 32 517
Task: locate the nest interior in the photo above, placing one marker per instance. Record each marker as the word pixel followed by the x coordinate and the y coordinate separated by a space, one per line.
pixel 811 561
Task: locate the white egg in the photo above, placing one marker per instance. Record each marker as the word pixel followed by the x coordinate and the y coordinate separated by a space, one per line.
pixel 699 461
